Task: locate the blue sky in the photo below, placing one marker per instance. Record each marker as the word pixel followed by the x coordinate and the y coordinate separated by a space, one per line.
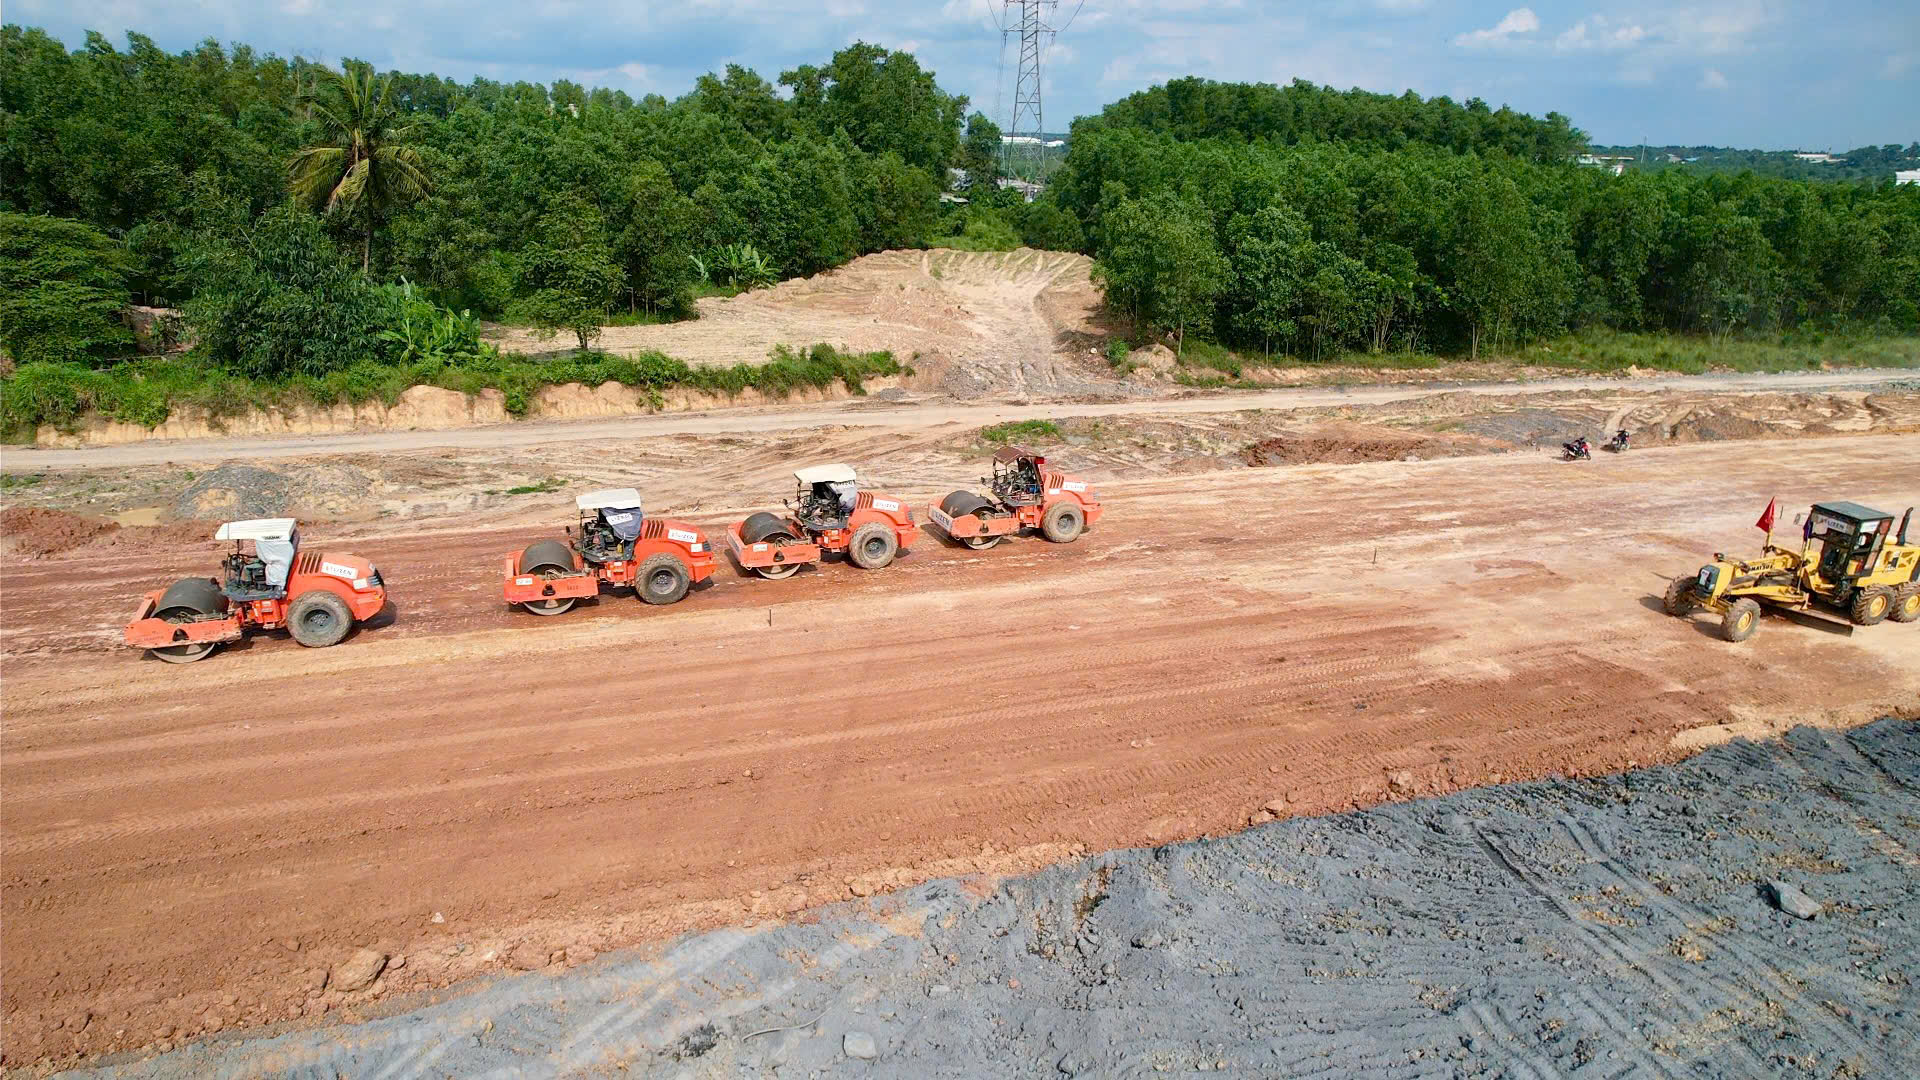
pixel 1776 74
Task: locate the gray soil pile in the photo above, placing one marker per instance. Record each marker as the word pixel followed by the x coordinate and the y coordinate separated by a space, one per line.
pixel 1654 923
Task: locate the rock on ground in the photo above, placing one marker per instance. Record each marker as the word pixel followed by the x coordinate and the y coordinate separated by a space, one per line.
pixel 359 971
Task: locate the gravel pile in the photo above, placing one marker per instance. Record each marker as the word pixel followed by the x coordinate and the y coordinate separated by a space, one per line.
pixel 234 492
pixel 1752 912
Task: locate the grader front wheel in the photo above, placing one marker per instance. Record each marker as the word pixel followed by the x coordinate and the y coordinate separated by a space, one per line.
pixel 1679 598
pixel 1741 620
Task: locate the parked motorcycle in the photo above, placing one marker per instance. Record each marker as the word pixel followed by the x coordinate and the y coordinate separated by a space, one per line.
pixel 1577 450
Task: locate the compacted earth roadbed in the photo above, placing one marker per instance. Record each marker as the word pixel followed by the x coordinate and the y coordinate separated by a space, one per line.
pixel 1627 925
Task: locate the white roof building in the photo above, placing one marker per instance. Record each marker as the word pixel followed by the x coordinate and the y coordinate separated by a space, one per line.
pixel 1907 176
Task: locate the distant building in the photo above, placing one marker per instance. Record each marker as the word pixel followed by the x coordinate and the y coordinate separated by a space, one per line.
pixel 1027 191
pixel 1817 158
pixel 1029 140
pixel 1907 176
pixel 1615 164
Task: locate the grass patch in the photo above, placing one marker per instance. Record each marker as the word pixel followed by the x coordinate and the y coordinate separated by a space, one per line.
pixel 1117 352
pixel 11 481
pixel 147 391
pixel 1610 351
pixel 1020 431
pixel 551 483
pixel 981 229
pixel 1206 363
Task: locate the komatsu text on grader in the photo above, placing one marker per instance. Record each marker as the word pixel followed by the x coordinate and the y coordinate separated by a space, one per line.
pixel 267 583
pixel 1851 560
pixel 618 546
pixel 1025 494
pixel 830 513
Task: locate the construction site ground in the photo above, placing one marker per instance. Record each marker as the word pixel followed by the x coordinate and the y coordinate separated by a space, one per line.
pixel 1299 602
pixel 1621 926
pixel 1406 599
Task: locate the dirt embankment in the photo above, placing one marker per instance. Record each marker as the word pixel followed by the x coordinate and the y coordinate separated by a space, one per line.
pixel 433 408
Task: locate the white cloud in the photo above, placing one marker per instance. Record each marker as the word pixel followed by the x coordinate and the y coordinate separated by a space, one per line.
pixel 1899 64
pixel 1600 34
pixel 1711 79
pixel 1516 22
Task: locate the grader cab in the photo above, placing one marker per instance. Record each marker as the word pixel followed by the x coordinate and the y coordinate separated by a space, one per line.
pixel 1852 565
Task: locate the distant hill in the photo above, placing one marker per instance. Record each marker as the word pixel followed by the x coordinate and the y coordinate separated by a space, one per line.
pixel 1865 163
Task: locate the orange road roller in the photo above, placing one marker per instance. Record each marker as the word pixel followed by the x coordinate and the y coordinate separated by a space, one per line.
pixel 268 582
pixel 1025 494
pixel 617 546
pixel 829 514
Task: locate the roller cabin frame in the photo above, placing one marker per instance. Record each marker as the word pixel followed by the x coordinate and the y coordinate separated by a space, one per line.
pixel 1025 495
pixel 667 559
pixel 326 594
pixel 775 546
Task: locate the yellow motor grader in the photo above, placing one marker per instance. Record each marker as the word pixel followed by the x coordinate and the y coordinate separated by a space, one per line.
pixel 1848 561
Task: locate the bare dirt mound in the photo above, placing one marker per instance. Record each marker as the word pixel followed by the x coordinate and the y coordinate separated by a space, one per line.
pixel 1350 444
pixel 969 322
pixel 36 533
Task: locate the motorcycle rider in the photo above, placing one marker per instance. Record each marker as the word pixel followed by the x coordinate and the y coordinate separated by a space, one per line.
pixel 1620 439
pixel 1578 448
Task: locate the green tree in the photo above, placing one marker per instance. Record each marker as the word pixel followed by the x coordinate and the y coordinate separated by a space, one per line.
pixel 278 298
pixel 1730 272
pixel 655 244
pixel 980 153
pixel 1268 253
pixel 366 168
pixel 568 273
pixel 1160 263
pixel 63 290
pixel 884 101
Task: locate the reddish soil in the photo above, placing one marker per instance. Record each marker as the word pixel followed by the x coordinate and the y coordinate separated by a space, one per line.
pixel 32 532
pixel 191 849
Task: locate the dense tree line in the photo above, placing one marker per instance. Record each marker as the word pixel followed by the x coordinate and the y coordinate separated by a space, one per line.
pixel 554 203
pixel 1861 163
pixel 1192 108
pixel 1333 246
pixel 308 217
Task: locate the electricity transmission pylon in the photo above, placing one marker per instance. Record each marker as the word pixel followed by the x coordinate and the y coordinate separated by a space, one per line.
pixel 1025 123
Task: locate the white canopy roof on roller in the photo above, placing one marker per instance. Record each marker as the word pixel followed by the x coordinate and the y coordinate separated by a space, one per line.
pixel 257 529
pixel 609 499
pixel 825 474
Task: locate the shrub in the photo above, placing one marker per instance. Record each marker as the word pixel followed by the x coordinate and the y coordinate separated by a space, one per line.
pixel 63 290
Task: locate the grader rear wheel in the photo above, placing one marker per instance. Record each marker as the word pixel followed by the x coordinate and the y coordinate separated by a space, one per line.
pixel 1741 620
pixel 548 558
pixel 1871 605
pixel 1906 604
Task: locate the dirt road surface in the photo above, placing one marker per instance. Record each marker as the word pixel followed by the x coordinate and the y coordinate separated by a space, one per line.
pixel 1621 926
pixel 875 414
pixel 190 850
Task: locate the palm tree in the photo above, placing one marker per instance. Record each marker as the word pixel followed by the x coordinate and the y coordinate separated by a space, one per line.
pixel 366 166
